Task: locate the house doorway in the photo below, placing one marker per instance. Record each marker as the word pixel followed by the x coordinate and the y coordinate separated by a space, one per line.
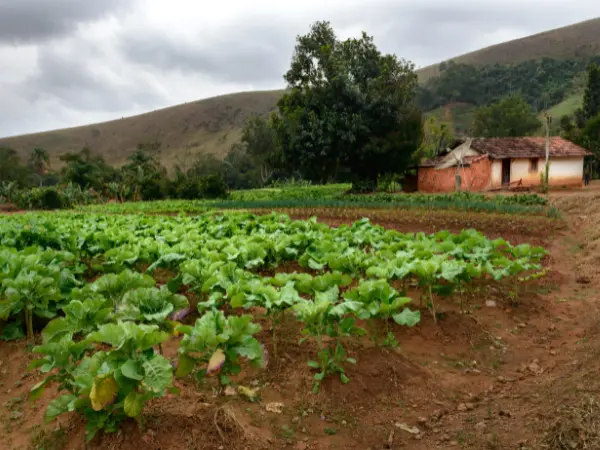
pixel 505 172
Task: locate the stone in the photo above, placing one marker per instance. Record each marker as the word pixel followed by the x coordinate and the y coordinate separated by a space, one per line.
pixel 480 427
pixel 470 406
pixel 274 407
pixel 462 407
pixel 490 303
pixel 422 420
pixel 553 352
pixel 535 368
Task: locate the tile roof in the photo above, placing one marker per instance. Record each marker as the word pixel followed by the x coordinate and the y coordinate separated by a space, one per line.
pixel 527 147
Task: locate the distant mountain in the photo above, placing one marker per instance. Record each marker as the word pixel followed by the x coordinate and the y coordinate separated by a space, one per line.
pixel 213 125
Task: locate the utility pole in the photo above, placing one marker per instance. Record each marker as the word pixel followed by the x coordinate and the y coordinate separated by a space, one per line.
pixel 547 167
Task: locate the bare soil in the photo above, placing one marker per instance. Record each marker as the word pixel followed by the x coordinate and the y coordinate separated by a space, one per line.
pixel 518 371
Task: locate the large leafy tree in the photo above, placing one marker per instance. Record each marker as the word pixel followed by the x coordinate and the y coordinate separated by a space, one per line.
pixel 509 117
pixel 258 141
pixel 591 96
pixel 347 105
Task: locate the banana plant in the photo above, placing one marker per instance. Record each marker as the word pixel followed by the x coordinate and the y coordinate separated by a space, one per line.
pixel 216 344
pixel 326 322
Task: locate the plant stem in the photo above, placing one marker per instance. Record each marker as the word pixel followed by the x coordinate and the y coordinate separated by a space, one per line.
pixel 160 349
pixel 432 305
pixel 29 324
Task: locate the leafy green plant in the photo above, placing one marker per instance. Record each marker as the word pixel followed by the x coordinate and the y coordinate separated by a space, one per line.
pixel 110 385
pixel 378 299
pixel 217 344
pixel 326 323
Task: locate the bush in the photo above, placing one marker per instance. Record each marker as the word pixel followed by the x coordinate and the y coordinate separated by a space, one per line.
pixel 213 186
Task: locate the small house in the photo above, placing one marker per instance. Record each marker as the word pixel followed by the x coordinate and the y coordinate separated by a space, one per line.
pixel 493 163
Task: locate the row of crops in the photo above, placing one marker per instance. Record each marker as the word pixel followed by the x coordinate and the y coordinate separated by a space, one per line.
pixel 88 278
pixel 335 196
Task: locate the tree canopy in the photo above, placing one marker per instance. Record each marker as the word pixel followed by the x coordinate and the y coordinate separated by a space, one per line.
pixel 348 105
pixel 510 117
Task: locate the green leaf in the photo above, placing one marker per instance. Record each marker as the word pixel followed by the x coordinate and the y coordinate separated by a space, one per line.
pixel 314 364
pixel 344 379
pixel 407 317
pixel 158 374
pixel 37 391
pixel 351 360
pixel 319 376
pixel 58 406
pixel 5 309
pixel 131 369
pixel 134 402
pixel 57 329
pixel 185 365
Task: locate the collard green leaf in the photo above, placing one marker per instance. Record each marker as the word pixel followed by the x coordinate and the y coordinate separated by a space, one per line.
pixel 158 374
pixel 134 402
pixel 407 317
pixel 58 406
pixel 104 392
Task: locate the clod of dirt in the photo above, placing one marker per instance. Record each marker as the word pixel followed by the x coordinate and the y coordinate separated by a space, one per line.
pixel 274 407
pixel 462 407
pixel 535 367
pixel 583 280
pixel 480 427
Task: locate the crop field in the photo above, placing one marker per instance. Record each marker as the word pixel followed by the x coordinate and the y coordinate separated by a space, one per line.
pixel 240 329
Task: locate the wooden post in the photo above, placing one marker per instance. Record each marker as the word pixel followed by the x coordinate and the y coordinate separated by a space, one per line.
pixel 547 166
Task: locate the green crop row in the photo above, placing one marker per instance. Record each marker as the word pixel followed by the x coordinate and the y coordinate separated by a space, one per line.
pixel 103 343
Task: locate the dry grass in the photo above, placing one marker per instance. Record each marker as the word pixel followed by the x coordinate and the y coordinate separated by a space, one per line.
pixel 580 39
pixel 575 427
pixel 205 126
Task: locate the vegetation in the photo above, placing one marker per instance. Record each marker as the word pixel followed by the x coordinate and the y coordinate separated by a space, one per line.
pixel 509 117
pixel 103 346
pixel 347 105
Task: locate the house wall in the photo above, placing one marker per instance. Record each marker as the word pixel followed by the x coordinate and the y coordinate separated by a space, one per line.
pixel 563 171
pixel 496 180
pixel 476 177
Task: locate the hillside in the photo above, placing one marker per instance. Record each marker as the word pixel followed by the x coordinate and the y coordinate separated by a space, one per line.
pixel 209 126
pixel 577 40
pixel 213 125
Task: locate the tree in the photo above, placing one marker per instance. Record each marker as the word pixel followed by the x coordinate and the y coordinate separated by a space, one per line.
pixel 509 117
pixel 591 96
pixel 258 141
pixel 437 137
pixel 87 170
pixel 347 105
pixel 39 160
pixel 146 176
pixel 11 168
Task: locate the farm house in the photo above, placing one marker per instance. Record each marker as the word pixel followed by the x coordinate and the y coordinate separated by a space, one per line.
pixel 493 163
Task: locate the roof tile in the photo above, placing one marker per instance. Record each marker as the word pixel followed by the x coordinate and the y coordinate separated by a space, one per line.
pixel 527 147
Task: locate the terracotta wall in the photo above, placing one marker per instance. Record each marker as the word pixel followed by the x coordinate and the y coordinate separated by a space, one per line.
pixel 476 177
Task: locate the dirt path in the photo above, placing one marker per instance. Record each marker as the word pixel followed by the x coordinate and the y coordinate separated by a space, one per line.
pixel 519 371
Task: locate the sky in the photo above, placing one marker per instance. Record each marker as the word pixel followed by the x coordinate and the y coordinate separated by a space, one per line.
pixel 65 63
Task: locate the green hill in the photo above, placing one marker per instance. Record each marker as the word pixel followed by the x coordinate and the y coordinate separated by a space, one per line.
pixel 213 125
pixel 577 40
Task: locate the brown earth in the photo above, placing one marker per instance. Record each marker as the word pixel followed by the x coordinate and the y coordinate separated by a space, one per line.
pixel 517 372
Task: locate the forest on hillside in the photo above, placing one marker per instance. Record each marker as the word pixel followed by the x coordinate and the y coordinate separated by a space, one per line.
pixel 542 83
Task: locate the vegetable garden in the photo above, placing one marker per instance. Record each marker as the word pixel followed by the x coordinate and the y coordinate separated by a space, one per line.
pixel 88 281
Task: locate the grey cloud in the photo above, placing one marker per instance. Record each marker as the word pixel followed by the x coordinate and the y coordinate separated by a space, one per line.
pixel 87 84
pixel 257 49
pixel 256 53
pixel 27 21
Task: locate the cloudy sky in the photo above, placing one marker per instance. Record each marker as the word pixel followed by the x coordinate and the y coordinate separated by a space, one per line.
pixel 70 62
